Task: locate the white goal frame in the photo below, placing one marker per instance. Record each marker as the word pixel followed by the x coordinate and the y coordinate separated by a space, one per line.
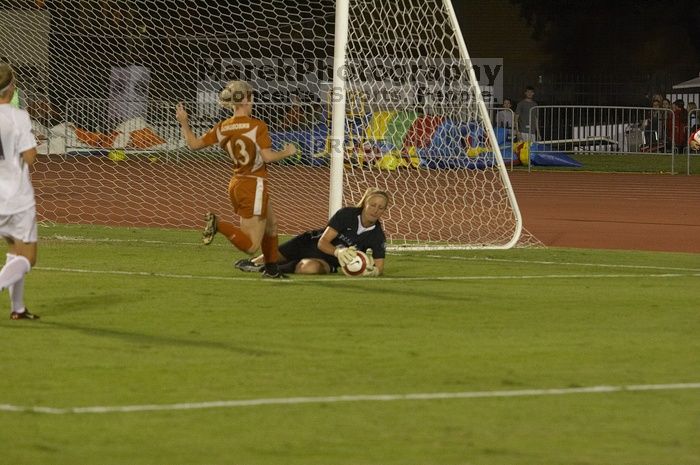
pixel 338 129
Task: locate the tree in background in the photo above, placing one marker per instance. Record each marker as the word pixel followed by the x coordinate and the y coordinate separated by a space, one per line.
pixel 617 37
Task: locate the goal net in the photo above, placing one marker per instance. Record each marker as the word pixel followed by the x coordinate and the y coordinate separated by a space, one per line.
pixel 101 79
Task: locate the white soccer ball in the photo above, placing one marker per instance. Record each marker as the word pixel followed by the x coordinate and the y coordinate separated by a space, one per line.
pixel 357 265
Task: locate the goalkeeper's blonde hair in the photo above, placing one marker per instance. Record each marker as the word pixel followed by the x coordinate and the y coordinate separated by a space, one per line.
pixel 7 76
pixel 371 192
pixel 234 93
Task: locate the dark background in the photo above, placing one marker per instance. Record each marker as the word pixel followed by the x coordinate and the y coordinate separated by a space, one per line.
pixel 595 52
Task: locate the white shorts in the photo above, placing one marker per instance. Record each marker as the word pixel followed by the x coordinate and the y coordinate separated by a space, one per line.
pixel 20 226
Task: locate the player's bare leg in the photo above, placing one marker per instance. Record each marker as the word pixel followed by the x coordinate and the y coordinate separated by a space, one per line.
pixel 312 266
pixel 21 257
pixel 254 228
pixel 270 244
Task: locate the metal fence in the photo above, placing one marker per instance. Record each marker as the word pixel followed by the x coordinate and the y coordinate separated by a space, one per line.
pixel 604 129
pixel 101 120
pixel 692 128
pixel 609 130
pixel 575 130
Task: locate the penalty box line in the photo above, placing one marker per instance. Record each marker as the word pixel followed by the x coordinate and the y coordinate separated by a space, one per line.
pixel 398 252
pixel 383 279
pixel 347 398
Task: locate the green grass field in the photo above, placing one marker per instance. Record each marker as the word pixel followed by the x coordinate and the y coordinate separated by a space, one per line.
pixel 165 339
pixel 629 163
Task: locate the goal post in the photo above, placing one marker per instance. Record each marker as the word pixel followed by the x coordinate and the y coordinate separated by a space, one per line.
pixel 338 96
pixel 427 136
pixel 485 117
pixel 374 94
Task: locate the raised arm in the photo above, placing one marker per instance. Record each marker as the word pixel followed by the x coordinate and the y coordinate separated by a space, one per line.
pixel 269 155
pixel 192 141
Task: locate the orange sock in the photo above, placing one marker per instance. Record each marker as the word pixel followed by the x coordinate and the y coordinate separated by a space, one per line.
pixel 235 235
pixel 269 248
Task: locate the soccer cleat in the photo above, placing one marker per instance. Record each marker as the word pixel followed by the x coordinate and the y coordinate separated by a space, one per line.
pixel 247 265
pixel 25 315
pixel 274 275
pixel 271 271
pixel 210 228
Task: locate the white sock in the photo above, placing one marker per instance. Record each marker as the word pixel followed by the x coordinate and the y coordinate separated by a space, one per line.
pixel 13 272
pixel 16 291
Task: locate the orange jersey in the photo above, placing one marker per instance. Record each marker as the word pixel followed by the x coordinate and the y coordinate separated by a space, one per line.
pixel 243 138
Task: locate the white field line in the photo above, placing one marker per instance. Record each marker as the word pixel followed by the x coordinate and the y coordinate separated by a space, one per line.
pixel 430 256
pixel 220 404
pixel 80 239
pixel 383 279
pixel 551 263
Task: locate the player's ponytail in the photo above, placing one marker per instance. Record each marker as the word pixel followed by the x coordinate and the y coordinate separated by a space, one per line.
pixel 7 76
pixel 371 192
pixel 234 94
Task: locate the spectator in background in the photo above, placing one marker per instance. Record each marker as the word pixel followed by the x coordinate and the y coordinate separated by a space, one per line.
pixel 654 127
pixel 664 134
pixel 692 114
pixel 677 125
pixel 527 129
pixel 657 98
pixel 504 118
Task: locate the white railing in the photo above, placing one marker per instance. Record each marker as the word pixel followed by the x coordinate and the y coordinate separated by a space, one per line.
pixel 607 130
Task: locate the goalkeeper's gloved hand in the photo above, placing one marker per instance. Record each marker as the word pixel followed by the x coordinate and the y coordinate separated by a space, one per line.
pixel 370 270
pixel 345 254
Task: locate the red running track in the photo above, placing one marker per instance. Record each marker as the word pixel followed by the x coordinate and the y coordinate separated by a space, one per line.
pixel 611 211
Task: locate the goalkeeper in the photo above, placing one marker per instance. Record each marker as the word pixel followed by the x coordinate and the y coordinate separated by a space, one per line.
pixel 322 251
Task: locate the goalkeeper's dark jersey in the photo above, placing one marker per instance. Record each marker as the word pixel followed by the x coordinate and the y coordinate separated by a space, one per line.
pixel 347 222
pixel 350 232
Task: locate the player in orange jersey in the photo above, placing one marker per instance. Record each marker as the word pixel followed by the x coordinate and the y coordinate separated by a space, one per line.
pixel 247 141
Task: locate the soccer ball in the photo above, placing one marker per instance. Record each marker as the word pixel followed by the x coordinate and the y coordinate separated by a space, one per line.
pixel 357 266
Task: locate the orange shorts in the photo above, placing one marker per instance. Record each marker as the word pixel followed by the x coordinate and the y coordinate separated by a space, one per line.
pixel 249 196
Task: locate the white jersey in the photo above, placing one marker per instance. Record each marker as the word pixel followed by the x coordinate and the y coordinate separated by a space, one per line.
pixel 16 191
